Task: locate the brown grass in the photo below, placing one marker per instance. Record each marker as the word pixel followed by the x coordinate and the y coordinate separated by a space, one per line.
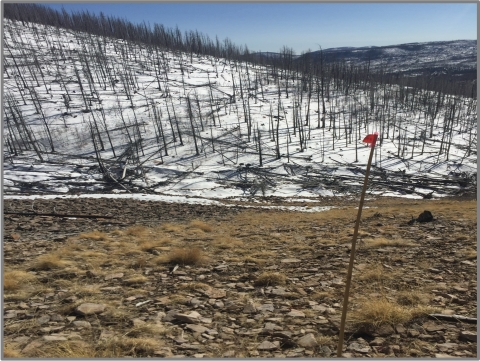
pixel 49 261
pixel 169 227
pixel 63 350
pixel 375 273
pixel 194 286
pixel 14 280
pixel 130 347
pixel 135 279
pixel 412 298
pixel 270 279
pixel 184 256
pixel 377 311
pixel 383 242
pixel 197 224
pixel 146 329
pixel 227 243
pixel 147 246
pixel 10 351
pixel 137 231
pixel 95 235
pixel 469 253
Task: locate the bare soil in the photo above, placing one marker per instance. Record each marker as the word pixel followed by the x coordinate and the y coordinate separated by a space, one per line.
pixel 260 283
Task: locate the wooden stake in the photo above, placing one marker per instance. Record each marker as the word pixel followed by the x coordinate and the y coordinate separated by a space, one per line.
pixel 352 253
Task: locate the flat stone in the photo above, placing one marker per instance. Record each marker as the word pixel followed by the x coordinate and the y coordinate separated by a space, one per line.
pixel 82 324
pixel 196 328
pixel 215 293
pixel 186 318
pixel 43 319
pixel 290 260
pixel 296 313
pixel 21 339
pixel 266 307
pixel 189 346
pixel 111 289
pixel 413 333
pixel 279 291
pixel 268 346
pixel 250 308
pixel 444 355
pixel 432 327
pixel 11 314
pixel 358 347
pixel 319 308
pixel 400 329
pixel 468 336
pixel 31 346
pixel 377 341
pixel 447 346
pixel 113 276
pixel 137 322
pixel 283 334
pixel 308 341
pixel 49 338
pixel 447 312
pixel 106 334
pixel 56 317
pixel 90 308
pixel 170 316
pixel 385 330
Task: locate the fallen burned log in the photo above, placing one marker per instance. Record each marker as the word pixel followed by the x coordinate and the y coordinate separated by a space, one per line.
pixel 456 318
pixel 57 215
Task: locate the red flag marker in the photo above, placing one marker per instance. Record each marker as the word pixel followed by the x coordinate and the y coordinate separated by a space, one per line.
pixel 372 139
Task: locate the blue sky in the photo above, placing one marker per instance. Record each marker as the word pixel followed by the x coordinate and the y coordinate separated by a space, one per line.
pixel 303 26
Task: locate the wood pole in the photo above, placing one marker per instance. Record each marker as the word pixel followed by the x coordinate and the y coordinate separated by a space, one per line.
pixel 352 254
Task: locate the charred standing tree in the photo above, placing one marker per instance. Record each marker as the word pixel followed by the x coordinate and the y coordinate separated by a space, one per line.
pixel 190 114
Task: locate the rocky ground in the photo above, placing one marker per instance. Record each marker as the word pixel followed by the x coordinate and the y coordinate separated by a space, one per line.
pixel 267 283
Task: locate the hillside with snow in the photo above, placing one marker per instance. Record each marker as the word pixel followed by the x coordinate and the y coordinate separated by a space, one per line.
pixel 92 114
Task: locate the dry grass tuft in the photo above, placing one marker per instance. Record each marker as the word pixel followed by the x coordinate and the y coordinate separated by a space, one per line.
pixel 227 243
pixel 184 256
pixel 250 259
pixel 146 329
pixel 196 224
pixel 95 235
pixel 13 280
pixel 169 227
pixel 49 261
pixel 270 279
pixel 9 351
pixel 138 231
pixel 383 242
pixel 147 246
pixel 412 298
pixel 320 295
pixel 469 253
pixel 135 280
pixel 375 273
pixel 63 350
pixel 377 311
pixel 128 347
pixel 194 286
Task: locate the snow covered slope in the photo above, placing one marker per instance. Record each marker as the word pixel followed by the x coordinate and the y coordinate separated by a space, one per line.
pixel 87 114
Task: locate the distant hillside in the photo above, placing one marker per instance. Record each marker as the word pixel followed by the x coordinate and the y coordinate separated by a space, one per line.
pixel 456 58
pixel 439 65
